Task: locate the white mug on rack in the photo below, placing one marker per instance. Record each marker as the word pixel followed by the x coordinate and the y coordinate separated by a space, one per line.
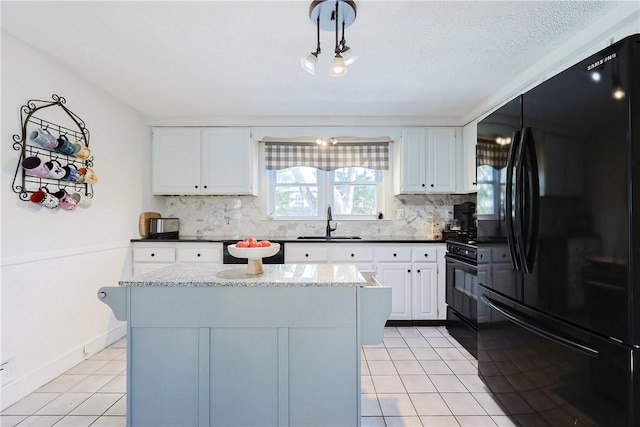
pixel 44 138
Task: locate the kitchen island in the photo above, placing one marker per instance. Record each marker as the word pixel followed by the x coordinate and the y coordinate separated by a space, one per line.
pixel 209 345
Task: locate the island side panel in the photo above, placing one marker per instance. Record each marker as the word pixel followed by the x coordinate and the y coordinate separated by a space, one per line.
pixel 252 331
pixel 244 377
pixel 165 382
pixel 324 386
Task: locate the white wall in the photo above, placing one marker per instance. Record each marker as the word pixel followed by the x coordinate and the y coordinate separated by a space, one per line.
pixel 53 261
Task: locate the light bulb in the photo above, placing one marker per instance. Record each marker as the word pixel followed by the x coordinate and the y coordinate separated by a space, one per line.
pixel 618 92
pixel 308 63
pixel 338 68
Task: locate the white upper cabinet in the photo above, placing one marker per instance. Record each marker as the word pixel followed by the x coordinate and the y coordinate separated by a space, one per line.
pixel 427 161
pixel 228 162
pixel 175 156
pixel 203 161
pixel 467 173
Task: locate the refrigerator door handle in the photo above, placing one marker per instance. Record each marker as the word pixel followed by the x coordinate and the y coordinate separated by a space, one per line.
pixel 539 330
pixel 510 212
pixel 531 201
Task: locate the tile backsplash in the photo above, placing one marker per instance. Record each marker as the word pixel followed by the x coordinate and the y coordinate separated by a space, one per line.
pixel 245 216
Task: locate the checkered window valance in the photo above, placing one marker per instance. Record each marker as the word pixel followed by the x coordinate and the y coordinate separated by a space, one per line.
pixel 282 155
pixel 491 153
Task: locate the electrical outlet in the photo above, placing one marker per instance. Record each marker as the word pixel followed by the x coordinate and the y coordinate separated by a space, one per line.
pixel 85 350
pixel 399 213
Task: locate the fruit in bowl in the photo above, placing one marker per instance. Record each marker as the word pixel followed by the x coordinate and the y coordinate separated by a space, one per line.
pixel 251 242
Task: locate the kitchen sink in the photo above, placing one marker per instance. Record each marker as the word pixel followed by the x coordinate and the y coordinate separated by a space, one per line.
pixel 329 238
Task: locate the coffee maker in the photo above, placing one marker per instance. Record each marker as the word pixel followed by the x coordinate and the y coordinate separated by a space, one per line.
pixel 464 214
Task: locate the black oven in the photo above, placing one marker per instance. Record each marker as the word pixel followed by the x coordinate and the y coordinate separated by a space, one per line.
pixel 227 258
pixel 462 294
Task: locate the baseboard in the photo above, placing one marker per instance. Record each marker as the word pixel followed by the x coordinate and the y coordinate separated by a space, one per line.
pixel 408 323
pixel 23 386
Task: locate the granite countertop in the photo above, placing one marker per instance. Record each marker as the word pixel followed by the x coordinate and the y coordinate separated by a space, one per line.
pixel 294 239
pixel 282 275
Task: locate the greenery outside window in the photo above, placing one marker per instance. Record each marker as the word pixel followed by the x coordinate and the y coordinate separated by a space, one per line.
pixel 302 192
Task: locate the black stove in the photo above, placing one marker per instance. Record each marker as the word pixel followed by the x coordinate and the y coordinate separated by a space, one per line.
pixel 462 288
pixel 462 244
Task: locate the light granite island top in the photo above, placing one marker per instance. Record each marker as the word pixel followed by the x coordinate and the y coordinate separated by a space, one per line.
pixel 209 345
pixel 281 275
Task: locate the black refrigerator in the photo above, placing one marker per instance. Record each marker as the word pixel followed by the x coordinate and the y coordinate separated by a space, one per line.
pixel 558 207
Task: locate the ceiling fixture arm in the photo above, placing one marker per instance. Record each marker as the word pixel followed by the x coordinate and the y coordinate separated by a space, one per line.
pixel 318 30
pixel 337 17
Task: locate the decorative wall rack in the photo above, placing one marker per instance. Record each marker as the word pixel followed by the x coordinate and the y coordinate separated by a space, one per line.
pixel 25 184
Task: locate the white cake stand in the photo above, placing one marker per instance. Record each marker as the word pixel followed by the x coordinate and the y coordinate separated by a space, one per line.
pixel 254 256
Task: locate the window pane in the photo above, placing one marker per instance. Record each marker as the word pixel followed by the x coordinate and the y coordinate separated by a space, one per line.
pixel 298 174
pixel 354 174
pixel 296 201
pixel 485 199
pixel 355 200
pixel 485 173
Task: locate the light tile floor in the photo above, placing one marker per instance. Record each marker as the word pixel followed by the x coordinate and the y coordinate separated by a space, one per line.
pixel 419 376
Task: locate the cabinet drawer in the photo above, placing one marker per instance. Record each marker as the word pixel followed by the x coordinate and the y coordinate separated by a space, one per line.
pixel 154 255
pixel 306 253
pixel 425 254
pixel 200 254
pixel 351 253
pixel 500 254
pixel 484 256
pixel 393 253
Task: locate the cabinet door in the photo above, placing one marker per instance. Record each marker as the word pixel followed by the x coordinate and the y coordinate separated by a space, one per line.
pixel 175 159
pixel 441 163
pixel 414 158
pixel 467 176
pixel 425 291
pixel 397 276
pixel 227 161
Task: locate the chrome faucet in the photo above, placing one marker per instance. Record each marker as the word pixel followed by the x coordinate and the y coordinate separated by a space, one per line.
pixel 329 219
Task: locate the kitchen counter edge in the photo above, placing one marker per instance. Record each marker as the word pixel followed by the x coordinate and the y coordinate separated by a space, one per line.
pixel 219 239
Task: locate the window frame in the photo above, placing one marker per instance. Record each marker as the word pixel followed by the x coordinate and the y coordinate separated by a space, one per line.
pixel 496 183
pixel 326 186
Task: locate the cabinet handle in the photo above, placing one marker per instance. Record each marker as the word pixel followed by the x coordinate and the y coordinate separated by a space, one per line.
pixel 307 255
pixel 409 271
pixel 432 185
pixel 426 255
pixel 153 254
pixel 473 183
pixel 395 255
pixel 418 271
pixel 423 185
pixel 196 186
pixel 352 255
pixel 198 255
pixel 205 186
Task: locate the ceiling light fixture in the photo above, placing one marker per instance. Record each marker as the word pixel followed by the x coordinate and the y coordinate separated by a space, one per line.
pixel 329 15
pixel 326 141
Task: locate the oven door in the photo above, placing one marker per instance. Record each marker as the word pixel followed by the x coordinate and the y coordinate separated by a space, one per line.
pixel 462 288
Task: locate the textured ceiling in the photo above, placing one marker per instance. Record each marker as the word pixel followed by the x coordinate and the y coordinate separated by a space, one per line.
pixel 241 58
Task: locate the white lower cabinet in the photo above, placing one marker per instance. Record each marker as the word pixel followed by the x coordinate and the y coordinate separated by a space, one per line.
pixel 149 256
pixel 424 293
pixel 397 276
pixel 416 276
